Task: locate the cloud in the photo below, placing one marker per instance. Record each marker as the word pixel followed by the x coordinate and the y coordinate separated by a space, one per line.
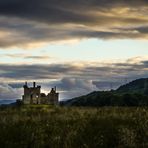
pixel 34 23
pixel 73 79
pixel 25 56
pixel 16 85
pixel 68 87
pixel 130 68
pixel 7 92
pixel 71 87
pixel 107 85
pixel 62 11
pixel 73 84
pixel 37 57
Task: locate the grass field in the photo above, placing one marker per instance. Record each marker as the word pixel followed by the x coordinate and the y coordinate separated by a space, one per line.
pixel 59 127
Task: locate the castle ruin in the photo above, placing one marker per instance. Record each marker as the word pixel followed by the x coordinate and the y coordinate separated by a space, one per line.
pixel 33 95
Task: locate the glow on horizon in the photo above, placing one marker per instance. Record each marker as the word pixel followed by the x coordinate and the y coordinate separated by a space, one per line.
pixel 89 50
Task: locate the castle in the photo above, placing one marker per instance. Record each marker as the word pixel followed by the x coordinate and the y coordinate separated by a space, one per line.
pixel 33 95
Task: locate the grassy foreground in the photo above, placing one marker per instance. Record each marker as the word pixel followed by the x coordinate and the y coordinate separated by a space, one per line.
pixel 59 127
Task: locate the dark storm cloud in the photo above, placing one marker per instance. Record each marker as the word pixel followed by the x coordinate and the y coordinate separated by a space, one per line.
pixel 31 22
pixel 61 11
pixel 41 10
pixel 88 72
pixel 34 71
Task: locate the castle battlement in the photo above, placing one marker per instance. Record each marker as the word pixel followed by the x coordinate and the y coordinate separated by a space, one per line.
pixel 33 95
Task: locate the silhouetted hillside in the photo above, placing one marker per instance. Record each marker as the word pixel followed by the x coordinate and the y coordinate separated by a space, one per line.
pixel 136 86
pixel 134 93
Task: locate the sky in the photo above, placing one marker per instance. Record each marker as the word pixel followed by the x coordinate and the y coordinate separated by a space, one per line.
pixel 79 46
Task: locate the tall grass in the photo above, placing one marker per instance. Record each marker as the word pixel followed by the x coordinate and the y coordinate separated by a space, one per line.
pixel 59 127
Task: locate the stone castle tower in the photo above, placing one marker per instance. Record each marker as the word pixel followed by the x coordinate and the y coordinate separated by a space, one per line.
pixel 33 95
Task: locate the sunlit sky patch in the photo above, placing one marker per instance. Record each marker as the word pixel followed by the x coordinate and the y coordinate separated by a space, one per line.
pixel 86 50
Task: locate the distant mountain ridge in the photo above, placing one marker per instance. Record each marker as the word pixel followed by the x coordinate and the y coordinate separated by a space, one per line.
pixel 7 101
pixel 134 93
pixel 136 86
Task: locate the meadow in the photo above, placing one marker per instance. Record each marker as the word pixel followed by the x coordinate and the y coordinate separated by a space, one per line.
pixel 46 126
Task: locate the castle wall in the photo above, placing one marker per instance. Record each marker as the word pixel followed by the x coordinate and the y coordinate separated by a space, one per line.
pixel 33 95
pixel 53 97
pixel 43 99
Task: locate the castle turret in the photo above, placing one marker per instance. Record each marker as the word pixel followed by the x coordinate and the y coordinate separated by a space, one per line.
pixel 53 96
pixel 34 84
pixel 25 85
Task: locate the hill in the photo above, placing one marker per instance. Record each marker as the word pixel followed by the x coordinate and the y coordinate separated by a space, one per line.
pixel 134 93
pixel 136 86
